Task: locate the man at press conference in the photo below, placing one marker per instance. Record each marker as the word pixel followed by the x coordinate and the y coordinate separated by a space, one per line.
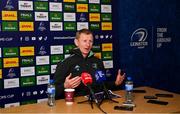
pixel 82 59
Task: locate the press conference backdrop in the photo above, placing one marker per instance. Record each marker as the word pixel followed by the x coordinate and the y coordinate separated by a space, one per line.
pixel 36 34
pixel 148 39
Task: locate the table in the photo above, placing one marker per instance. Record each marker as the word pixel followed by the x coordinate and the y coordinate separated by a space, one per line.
pixel 141 105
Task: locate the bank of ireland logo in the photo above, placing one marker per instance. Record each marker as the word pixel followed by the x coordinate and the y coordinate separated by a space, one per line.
pixel 9 5
pixel 41 26
pixel 138 38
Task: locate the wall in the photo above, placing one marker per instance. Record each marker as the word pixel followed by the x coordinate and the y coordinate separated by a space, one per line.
pixel 148 37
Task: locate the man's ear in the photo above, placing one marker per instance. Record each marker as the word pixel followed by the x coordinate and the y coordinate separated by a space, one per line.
pixel 76 42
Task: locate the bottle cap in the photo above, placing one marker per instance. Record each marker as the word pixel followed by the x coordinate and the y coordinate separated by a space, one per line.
pixel 51 81
pixel 129 78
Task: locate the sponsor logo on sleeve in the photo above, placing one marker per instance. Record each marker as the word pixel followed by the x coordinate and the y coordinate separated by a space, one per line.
pixel 42 60
pixel 28 81
pixel 106 17
pixel 12 105
pixel 26 26
pixel 106 25
pixel 107 47
pixel 107 55
pixel 11 83
pixel 94 8
pixel 27 51
pixel 82 7
pixel 9 26
pixel 94 17
pixel 56 58
pixel 27 71
pixel 26 5
pixel 82 25
pixel 69 7
pixel 69 17
pixel 53 69
pixel 106 9
pixel 57 49
pixel 10 52
pixel 56 26
pixel 43 79
pixel 108 64
pixel 41 16
pixel 11 62
pixel 9 15
pixel 67 55
pixel 55 16
pixel 26 16
pixel 55 6
pixel 41 6
pixel 69 26
pixel 27 61
pixel 69 0
pixel 94 1
pixel 42 70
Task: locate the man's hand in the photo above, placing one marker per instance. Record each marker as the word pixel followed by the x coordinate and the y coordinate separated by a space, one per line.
pixel 72 82
pixel 119 78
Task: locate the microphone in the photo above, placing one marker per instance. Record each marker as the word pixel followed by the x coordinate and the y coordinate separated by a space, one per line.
pixel 87 81
pixel 100 78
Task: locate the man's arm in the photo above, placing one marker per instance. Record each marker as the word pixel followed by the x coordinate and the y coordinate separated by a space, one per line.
pixel 59 78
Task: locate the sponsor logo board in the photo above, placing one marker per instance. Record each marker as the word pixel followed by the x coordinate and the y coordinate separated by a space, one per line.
pixel 42 60
pixel 82 7
pixel 25 5
pixel 26 26
pixel 57 49
pixel 56 26
pixel 43 79
pixel 106 25
pixel 27 51
pixel 108 64
pixel 42 70
pixel 107 47
pixel 11 83
pixel 11 62
pixel 27 71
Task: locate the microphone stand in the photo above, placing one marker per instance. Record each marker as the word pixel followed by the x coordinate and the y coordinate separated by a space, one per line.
pixel 106 95
pixel 92 98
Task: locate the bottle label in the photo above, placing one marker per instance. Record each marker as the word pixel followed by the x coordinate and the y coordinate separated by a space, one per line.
pixel 129 87
pixel 51 90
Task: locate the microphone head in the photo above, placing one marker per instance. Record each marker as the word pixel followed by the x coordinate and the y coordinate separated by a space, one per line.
pixel 100 76
pixel 86 78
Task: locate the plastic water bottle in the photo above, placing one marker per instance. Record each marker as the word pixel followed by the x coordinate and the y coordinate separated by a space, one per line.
pixel 129 88
pixel 51 93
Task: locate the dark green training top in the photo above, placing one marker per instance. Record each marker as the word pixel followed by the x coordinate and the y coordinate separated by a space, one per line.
pixel 76 64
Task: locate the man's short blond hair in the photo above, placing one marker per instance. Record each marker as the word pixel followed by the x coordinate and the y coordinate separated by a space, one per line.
pixel 84 31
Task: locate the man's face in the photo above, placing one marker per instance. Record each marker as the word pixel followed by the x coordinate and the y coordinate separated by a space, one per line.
pixel 85 43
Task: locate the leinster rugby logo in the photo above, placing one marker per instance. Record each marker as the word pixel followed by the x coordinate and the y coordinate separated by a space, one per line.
pixel 138 38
